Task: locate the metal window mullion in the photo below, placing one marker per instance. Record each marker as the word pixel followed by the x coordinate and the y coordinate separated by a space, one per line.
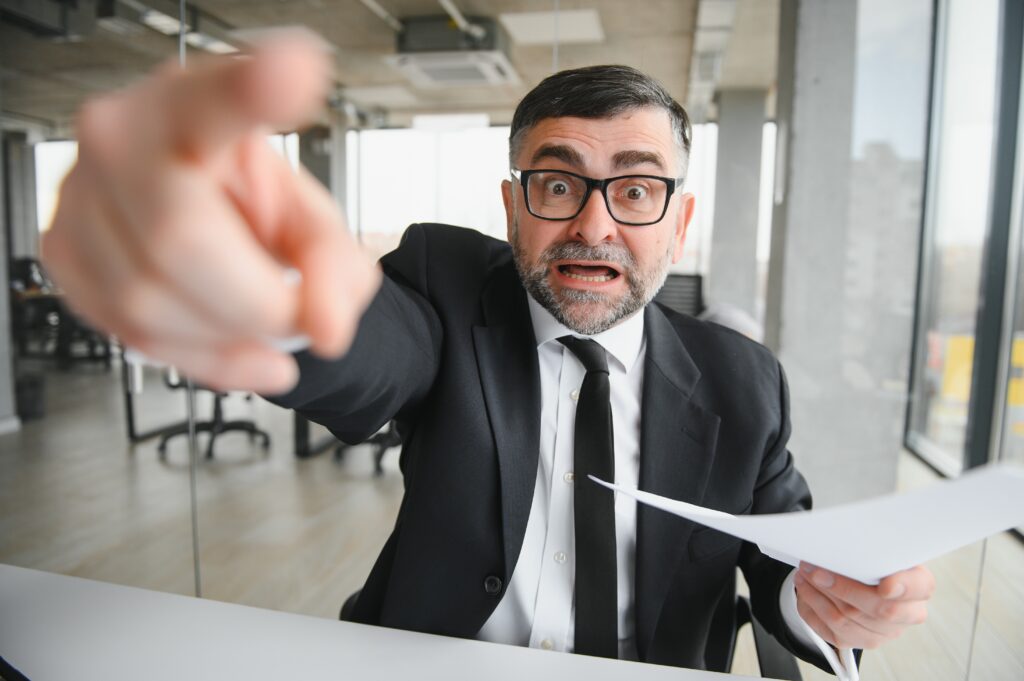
pixel 1013 290
pixel 989 327
pixel 916 442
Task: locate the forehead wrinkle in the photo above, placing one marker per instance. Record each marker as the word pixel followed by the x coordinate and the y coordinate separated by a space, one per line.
pixel 632 158
pixel 560 152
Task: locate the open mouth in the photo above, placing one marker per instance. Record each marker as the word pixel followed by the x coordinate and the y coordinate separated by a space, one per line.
pixel 592 273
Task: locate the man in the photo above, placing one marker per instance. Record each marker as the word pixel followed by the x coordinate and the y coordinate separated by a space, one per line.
pixel 511 371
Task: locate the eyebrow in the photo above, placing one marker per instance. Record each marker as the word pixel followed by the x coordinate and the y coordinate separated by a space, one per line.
pixel 632 158
pixel 560 152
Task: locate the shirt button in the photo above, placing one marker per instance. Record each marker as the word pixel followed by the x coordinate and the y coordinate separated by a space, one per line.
pixel 547 644
pixel 560 557
pixel 569 477
pixel 575 395
pixel 492 585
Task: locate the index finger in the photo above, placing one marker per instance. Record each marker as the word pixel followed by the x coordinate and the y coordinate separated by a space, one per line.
pixel 201 109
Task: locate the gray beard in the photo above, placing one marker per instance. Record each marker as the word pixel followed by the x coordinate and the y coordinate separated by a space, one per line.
pixel 588 312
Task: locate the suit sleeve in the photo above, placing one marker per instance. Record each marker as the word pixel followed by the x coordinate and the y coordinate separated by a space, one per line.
pixel 391 365
pixel 780 488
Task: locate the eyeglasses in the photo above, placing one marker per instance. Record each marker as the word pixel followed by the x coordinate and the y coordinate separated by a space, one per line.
pixel 635 200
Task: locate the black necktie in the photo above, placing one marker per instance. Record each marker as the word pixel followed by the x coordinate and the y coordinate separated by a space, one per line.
pixel 597 607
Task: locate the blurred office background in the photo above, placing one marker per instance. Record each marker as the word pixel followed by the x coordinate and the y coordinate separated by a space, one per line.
pixel 859 173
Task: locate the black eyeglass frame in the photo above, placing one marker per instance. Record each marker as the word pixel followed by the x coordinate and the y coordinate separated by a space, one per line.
pixel 671 183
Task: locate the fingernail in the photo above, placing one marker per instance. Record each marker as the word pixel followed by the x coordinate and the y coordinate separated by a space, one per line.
pixel 897 591
pixel 807 567
pixel 823 579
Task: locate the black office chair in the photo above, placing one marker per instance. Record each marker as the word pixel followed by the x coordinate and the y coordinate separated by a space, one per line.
pixel 348 606
pixel 79 342
pixel 215 426
pixel 382 441
pixel 42 326
pixel 683 293
pixel 774 661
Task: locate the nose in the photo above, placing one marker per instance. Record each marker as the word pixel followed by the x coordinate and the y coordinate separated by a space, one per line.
pixel 594 224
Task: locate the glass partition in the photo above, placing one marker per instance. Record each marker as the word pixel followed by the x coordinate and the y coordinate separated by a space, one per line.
pixel 77 496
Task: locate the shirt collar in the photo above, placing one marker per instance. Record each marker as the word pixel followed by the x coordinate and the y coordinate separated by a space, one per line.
pixel 623 341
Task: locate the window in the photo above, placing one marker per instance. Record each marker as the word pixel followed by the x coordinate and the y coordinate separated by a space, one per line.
pixel 956 224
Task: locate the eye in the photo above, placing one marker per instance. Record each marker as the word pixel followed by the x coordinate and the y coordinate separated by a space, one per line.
pixel 635 192
pixel 557 187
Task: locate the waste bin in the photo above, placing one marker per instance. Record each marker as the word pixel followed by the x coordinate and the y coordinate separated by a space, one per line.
pixel 30 396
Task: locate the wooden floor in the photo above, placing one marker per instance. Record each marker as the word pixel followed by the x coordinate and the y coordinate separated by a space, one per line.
pixel 301 535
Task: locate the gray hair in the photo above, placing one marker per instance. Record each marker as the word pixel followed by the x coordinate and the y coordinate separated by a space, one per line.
pixel 597 92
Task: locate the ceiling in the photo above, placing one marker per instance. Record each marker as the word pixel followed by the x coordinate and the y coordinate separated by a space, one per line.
pixel 44 80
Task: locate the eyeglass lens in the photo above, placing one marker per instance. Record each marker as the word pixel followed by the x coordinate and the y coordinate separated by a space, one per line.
pixel 558 196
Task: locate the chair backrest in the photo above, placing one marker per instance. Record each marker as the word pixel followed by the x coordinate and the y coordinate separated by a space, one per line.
pixel 731 614
pixel 683 293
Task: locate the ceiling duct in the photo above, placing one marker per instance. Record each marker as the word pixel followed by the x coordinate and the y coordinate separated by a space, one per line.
pixel 62 19
pixel 433 52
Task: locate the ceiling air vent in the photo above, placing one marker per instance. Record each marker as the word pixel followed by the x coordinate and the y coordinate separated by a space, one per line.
pixel 434 53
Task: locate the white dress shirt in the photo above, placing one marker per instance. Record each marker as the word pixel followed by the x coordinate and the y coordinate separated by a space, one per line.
pixel 537 609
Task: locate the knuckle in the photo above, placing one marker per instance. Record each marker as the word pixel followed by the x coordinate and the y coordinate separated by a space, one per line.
pixel 129 331
pixel 887 611
pixel 835 619
pixel 140 309
pixel 847 610
pixel 173 242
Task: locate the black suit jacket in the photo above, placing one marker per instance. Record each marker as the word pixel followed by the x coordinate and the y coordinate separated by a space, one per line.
pixel 447 349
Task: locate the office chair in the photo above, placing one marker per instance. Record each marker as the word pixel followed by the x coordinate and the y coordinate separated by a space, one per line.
pixel 774 661
pixel 386 438
pixel 683 293
pixel 42 326
pixel 215 426
pixel 78 342
pixel 348 606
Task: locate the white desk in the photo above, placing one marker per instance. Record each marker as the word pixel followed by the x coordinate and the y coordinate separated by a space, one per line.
pixel 59 627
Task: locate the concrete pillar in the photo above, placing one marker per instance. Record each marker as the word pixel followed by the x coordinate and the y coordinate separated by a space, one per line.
pixel 322 152
pixel 732 276
pixel 9 421
pixel 23 222
pixel 832 266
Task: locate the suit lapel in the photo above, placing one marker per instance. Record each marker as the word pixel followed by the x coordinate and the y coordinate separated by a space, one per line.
pixel 677 445
pixel 506 355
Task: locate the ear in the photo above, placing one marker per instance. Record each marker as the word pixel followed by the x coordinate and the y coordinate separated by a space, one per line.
pixel 509 201
pixel 683 217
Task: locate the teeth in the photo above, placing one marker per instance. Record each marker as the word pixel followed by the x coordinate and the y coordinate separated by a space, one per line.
pixel 605 277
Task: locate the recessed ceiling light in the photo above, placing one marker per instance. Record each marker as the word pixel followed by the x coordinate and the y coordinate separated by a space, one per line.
pixel 209 43
pixel 166 24
pixel 539 28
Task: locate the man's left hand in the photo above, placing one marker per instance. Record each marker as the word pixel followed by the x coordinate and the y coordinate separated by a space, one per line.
pixel 849 614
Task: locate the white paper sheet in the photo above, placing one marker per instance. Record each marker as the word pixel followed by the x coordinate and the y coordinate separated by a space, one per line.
pixel 868 540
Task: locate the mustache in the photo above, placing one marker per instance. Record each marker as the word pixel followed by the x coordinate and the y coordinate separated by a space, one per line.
pixel 574 250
